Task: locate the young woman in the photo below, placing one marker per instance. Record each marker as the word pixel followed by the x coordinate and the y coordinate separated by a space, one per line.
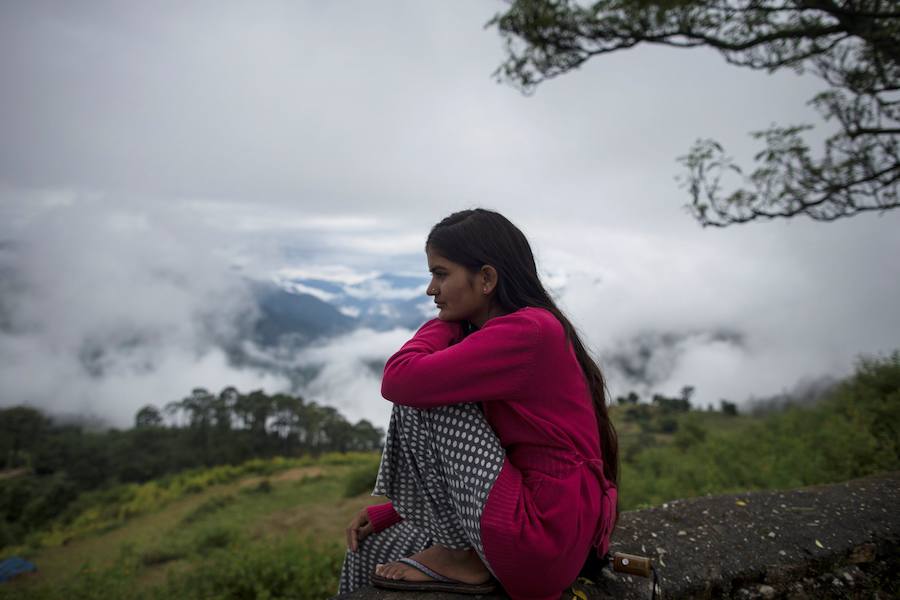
pixel 500 460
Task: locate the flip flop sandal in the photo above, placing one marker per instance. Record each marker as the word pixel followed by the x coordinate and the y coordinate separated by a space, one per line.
pixel 440 583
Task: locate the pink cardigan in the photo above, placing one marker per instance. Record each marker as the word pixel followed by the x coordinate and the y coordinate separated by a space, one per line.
pixel 551 503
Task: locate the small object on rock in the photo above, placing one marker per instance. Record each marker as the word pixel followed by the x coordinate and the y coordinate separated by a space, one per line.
pixel 766 591
pixel 819 544
pixel 631 564
pixel 864 553
pixel 740 503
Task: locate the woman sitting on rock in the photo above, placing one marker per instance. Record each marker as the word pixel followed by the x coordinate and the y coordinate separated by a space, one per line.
pixel 500 458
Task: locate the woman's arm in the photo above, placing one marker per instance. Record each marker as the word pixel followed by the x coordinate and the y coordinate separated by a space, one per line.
pixel 492 363
pixel 382 516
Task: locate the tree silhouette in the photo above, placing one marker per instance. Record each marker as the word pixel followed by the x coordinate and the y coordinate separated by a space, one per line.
pixel 853 46
pixel 148 416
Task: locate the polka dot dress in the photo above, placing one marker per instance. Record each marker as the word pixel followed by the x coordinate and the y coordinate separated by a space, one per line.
pixel 437 468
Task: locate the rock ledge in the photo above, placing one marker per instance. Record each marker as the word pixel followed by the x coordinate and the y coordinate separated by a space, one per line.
pixel 827 541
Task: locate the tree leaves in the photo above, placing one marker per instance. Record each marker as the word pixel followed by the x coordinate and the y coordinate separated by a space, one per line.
pixel 853 47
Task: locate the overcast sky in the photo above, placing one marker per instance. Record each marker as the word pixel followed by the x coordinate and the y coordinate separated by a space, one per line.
pixel 152 151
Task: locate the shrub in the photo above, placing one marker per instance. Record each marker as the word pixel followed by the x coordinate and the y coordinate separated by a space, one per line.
pixel 360 480
pixel 160 555
pixel 298 569
pixel 217 536
pixel 263 487
pixel 207 508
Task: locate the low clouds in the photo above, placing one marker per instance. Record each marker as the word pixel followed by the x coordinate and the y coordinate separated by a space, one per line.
pixel 153 157
pixel 108 306
pixel 736 313
pixel 350 372
pixel 114 307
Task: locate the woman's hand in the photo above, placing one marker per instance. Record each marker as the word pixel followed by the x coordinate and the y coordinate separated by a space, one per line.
pixel 358 530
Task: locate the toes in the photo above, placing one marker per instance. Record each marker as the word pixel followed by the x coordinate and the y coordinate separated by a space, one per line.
pixel 388 570
pixel 396 572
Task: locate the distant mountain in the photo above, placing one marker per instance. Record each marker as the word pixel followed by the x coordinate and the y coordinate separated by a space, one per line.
pixel 286 313
pixel 295 312
pixel 292 318
pixel 381 302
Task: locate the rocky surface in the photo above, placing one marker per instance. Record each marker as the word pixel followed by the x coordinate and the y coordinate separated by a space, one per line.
pixel 829 541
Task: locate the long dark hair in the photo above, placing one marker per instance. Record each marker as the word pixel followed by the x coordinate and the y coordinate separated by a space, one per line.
pixel 478 237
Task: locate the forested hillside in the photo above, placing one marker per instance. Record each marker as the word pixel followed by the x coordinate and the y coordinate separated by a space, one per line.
pixel 671 452
pixel 273 525
pixel 49 465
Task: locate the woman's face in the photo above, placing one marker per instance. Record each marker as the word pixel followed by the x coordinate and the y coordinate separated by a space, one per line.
pixel 459 295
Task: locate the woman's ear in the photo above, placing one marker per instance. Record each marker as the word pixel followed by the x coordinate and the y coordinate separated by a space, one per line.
pixel 488 278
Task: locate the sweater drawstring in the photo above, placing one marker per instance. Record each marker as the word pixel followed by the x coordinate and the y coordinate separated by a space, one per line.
pixel 596 465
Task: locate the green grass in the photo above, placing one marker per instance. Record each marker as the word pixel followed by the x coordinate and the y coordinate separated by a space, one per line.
pixel 851 433
pixel 244 535
pixel 275 529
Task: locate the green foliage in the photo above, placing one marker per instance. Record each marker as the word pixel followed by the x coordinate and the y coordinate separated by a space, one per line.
pixel 691 433
pixel 299 569
pixel 162 554
pixel 204 430
pixel 19 426
pixel 263 487
pixel 361 480
pixel 227 544
pixel 662 415
pixel 101 510
pixel 851 46
pixel 728 408
pixel 851 433
pixel 209 553
pixel 90 583
pixel 215 536
pixel 209 507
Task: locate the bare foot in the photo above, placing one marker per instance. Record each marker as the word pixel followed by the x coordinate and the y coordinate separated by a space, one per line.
pixel 461 565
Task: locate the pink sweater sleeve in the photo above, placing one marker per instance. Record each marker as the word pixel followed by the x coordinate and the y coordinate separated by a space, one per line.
pixel 491 363
pixel 382 516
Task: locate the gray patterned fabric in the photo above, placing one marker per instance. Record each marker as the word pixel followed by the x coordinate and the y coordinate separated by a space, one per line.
pixel 437 468
pixel 395 542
